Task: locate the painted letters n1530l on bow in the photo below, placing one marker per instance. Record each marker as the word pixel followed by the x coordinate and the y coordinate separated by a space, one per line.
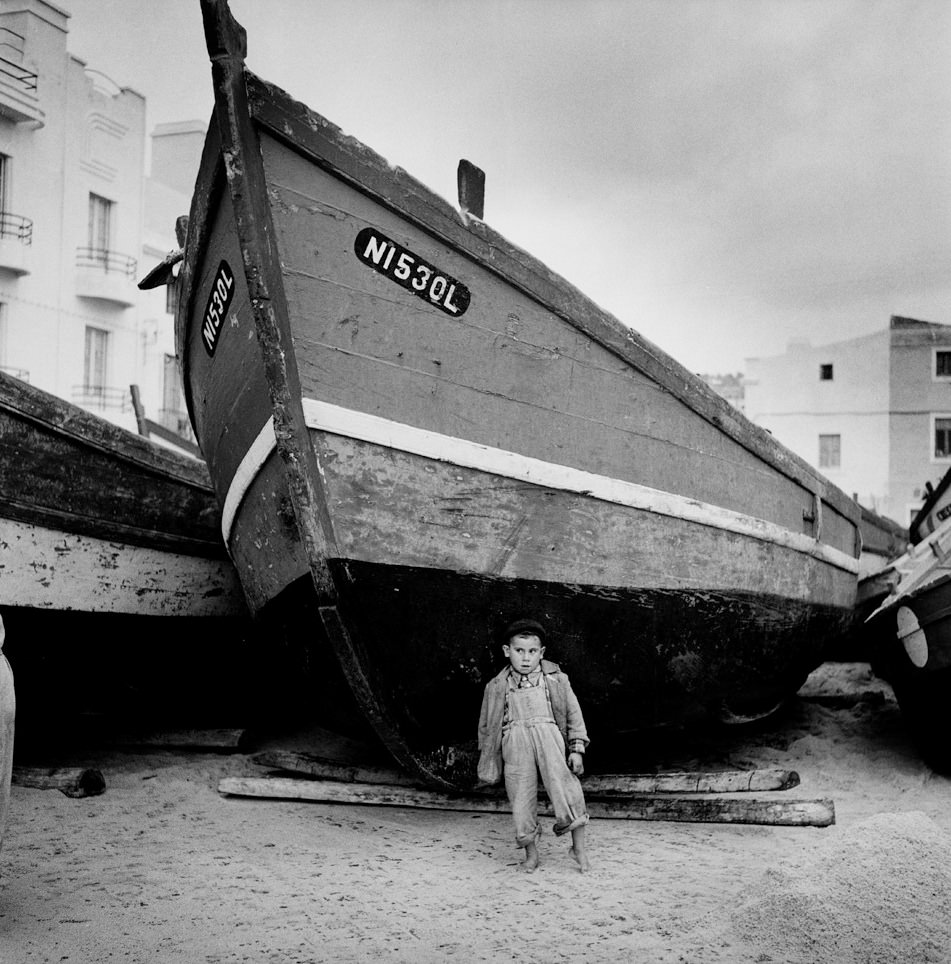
pixel 411 272
pixel 219 301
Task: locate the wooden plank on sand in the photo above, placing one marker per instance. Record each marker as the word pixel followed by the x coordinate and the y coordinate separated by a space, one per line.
pixel 800 813
pixel 606 785
pixel 211 739
pixel 73 781
pixel 722 781
pixel 311 765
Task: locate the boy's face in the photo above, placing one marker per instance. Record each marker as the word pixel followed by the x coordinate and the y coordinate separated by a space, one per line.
pixel 524 652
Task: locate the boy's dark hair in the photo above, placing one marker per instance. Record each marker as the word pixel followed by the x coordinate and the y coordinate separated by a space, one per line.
pixel 532 626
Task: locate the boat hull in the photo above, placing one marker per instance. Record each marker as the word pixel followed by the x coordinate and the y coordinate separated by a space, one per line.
pixel 96 519
pixel 908 641
pixel 416 432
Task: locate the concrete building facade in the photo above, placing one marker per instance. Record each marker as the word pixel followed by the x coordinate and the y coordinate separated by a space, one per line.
pixel 873 414
pixel 80 224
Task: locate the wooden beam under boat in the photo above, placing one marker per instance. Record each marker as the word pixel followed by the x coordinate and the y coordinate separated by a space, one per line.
pixel 800 813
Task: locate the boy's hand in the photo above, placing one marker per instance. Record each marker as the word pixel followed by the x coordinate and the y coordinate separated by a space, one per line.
pixel 576 764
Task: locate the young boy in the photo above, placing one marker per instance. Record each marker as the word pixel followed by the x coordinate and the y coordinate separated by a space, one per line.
pixel 530 716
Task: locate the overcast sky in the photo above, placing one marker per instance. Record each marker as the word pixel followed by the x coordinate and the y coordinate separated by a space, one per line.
pixel 721 175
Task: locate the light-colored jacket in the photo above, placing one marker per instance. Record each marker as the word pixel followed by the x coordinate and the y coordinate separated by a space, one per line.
pixel 564 705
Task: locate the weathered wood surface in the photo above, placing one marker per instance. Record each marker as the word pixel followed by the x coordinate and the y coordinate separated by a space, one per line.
pixel 470 183
pixel 48 568
pixel 881 536
pixel 322 768
pixel 508 372
pixel 597 785
pixel 73 781
pixel 97 519
pixel 393 189
pixel 726 781
pixel 221 738
pixel 453 516
pixel 66 468
pixel 816 813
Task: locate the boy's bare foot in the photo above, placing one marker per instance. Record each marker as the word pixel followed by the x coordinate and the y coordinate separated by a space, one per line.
pixel 582 859
pixel 578 850
pixel 530 862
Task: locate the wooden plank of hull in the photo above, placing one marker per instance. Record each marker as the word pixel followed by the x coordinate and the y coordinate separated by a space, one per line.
pixel 394 504
pixel 45 568
pixel 394 508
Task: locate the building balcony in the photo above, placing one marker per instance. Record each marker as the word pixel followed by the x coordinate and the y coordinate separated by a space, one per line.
pixel 99 398
pixel 16 239
pixel 106 276
pixel 18 93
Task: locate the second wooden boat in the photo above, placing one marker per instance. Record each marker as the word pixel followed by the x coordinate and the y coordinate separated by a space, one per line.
pixel 418 432
pixel 115 587
pixel 908 641
pixel 94 518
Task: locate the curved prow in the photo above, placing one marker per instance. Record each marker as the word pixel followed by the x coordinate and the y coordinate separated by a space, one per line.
pixel 224 36
pixel 226 41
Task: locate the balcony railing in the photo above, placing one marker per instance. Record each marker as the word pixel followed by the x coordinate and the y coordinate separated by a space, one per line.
pixel 109 261
pixel 16 226
pixel 100 397
pixel 19 75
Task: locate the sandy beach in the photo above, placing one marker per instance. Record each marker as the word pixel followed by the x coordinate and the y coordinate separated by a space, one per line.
pixel 162 867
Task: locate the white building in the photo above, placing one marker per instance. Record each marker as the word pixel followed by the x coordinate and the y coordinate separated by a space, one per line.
pixel 80 224
pixel 873 414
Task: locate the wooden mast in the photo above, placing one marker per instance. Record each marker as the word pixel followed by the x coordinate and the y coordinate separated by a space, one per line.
pixel 226 41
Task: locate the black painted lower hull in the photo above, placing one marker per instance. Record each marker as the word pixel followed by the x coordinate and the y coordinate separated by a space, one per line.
pixel 427 641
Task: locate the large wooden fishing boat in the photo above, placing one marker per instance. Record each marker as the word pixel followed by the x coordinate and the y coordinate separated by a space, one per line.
pixel 417 432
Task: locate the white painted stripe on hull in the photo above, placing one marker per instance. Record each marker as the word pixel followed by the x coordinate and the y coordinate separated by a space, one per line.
pixel 361 426
pixel 49 569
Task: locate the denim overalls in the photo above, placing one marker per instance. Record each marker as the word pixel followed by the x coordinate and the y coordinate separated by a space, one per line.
pixel 532 743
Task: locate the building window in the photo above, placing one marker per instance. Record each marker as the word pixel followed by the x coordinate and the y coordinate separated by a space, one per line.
pixel 171 297
pixel 100 227
pixel 95 364
pixel 825 372
pixel 4 183
pixel 830 451
pixel 942 363
pixel 942 436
